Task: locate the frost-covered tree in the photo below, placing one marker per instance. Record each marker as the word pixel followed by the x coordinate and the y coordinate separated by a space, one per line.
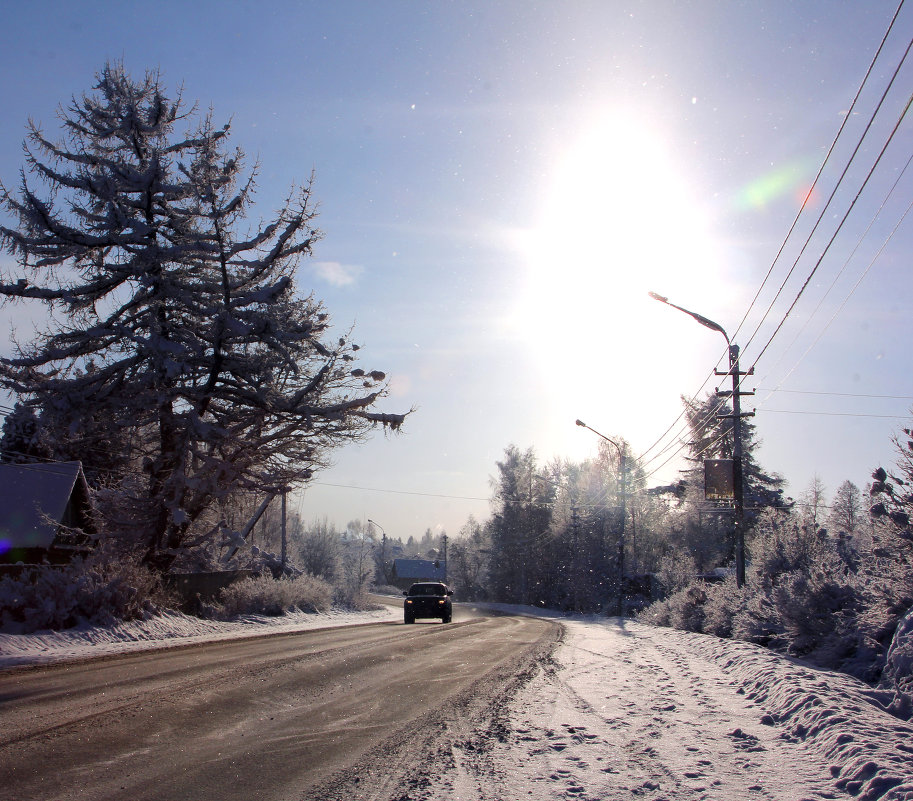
pixel 519 528
pixel 711 437
pixel 357 547
pixel 172 317
pixel 893 491
pixel 21 440
pixel 319 550
pixel 847 512
pixel 812 504
pixel 467 561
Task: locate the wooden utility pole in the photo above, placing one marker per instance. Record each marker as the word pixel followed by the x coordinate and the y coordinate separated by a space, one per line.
pixel 738 484
pixel 621 537
pixel 738 478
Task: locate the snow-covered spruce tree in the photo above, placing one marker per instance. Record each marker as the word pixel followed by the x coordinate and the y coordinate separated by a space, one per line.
pixel 171 316
pixel 888 566
pixel 21 439
pixel 712 438
pixel 710 422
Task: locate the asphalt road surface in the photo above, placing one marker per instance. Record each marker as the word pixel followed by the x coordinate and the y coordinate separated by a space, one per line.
pixel 351 712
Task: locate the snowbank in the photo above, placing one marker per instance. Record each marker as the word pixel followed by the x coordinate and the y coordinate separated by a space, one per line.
pixel 167 630
pixel 844 720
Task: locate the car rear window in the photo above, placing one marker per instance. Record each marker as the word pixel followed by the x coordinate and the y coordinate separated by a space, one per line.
pixel 426 589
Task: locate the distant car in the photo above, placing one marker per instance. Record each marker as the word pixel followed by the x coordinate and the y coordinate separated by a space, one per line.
pixel 427 599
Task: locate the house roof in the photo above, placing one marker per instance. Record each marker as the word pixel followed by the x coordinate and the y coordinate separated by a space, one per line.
pixel 33 501
pixel 419 569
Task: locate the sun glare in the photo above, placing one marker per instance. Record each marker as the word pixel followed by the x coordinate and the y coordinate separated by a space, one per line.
pixel 619 217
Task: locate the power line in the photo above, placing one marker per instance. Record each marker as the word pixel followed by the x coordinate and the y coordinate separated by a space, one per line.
pixel 839 414
pixel 833 193
pixel 846 213
pixel 826 159
pixel 837 394
pixel 838 229
pixel 855 286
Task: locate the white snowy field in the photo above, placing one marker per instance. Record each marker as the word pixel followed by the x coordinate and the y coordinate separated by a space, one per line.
pixel 624 710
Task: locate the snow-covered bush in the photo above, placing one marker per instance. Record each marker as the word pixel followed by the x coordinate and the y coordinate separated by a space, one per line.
pixel 676 571
pixel 100 590
pixel 686 608
pixel 264 595
pixel 780 545
pixel 802 596
pixel 841 602
pixel 345 596
pixel 681 610
pixel 898 671
pixel 656 614
pixel 724 601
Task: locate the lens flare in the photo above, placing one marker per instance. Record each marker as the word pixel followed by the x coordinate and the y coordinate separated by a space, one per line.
pixel 790 180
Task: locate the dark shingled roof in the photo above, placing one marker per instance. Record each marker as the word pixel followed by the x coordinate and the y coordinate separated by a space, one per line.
pixel 35 501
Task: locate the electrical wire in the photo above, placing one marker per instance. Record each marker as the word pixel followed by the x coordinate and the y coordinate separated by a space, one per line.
pixel 848 296
pixel 827 157
pixel 837 231
pixel 838 394
pixel 792 227
pixel 838 414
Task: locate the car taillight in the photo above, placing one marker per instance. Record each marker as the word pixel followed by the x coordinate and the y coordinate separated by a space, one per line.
pixel 408 601
pixel 441 601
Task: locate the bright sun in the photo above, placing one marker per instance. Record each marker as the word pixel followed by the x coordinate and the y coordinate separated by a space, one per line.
pixel 618 218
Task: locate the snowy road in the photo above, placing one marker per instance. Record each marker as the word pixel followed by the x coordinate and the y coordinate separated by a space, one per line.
pixel 263 718
pixel 484 710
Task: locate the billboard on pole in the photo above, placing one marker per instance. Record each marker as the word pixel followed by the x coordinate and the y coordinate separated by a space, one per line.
pixel 718 480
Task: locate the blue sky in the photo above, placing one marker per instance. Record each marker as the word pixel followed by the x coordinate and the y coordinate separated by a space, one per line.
pixel 501 183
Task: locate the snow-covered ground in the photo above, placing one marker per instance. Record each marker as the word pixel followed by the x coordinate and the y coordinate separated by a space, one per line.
pixel 623 711
pixel 166 630
pixel 634 711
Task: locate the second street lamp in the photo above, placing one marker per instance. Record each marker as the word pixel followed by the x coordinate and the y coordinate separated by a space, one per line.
pixel 383 549
pixel 621 538
pixel 738 489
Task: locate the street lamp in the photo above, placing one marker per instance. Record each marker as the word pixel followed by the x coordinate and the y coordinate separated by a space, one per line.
pixel 738 489
pixel 621 540
pixel 383 548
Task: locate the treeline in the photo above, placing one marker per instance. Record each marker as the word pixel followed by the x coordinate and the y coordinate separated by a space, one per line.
pixel 592 537
pixel 828 578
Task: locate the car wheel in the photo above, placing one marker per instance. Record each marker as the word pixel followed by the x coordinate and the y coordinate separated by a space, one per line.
pixel 445 619
pixel 409 619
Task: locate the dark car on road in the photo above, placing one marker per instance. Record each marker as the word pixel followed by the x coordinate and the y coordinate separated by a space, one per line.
pixel 427 599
